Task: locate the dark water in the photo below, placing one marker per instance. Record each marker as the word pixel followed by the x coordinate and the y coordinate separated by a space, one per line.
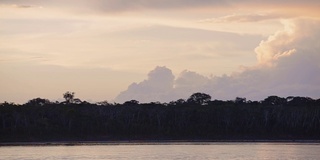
pixel 177 151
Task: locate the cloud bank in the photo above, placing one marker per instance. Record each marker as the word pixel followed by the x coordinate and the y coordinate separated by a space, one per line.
pixel 288 65
pixel 158 86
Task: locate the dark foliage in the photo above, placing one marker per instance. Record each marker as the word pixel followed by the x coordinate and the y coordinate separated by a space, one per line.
pixel 199 98
pixel 195 119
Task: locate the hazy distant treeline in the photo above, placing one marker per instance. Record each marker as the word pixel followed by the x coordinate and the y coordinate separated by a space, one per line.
pixel 197 118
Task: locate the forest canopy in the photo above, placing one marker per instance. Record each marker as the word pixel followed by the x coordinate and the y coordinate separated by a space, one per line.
pixel 196 118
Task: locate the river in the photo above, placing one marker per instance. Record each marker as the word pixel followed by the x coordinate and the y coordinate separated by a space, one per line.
pixel 165 151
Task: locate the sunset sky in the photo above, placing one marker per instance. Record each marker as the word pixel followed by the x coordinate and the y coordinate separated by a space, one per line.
pixel 158 50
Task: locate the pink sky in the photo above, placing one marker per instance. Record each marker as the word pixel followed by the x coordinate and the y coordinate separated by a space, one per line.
pixel 104 50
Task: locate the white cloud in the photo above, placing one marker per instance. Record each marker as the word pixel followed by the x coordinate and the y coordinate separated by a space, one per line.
pixel 297 36
pixel 288 64
pixel 189 79
pixel 157 87
pixel 188 82
pixel 94 34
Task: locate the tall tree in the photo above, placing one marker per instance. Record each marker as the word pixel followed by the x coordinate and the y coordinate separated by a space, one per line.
pixel 69 97
pixel 274 100
pixel 199 98
pixel 38 102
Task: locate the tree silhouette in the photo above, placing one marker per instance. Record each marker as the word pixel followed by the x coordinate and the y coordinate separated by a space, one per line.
pixel 77 101
pixel 104 103
pixel 199 98
pixel 240 100
pixel 273 118
pixel 38 102
pixel 131 102
pixel 69 97
pixel 295 101
pixel 178 102
pixel 274 100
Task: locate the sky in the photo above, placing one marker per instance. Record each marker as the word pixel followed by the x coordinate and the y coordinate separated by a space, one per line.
pixel 152 50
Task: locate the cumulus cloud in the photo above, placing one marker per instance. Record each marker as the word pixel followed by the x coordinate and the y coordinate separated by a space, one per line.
pixel 297 36
pixel 288 65
pixel 189 79
pixel 157 87
pixel 189 82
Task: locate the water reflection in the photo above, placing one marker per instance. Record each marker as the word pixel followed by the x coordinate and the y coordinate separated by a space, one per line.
pixel 175 151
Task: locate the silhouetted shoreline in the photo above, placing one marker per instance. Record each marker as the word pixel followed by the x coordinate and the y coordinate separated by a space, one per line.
pixel 197 119
pixel 155 142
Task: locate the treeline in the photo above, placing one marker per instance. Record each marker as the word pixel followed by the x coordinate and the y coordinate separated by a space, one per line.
pixel 197 118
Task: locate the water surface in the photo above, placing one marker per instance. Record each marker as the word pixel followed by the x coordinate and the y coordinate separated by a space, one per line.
pixel 176 151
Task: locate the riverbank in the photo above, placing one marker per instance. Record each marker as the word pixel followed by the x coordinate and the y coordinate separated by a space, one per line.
pixel 73 124
pixel 153 142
